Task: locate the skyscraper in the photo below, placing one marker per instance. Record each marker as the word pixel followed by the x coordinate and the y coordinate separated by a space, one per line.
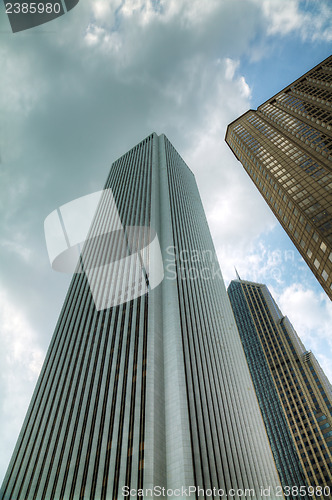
pixel 293 392
pixel 286 148
pixel 153 391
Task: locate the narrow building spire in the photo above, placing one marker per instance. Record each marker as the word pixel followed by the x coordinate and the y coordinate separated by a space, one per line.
pixel 237 274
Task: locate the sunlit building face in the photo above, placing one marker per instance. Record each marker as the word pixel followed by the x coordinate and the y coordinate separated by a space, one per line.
pixel 286 149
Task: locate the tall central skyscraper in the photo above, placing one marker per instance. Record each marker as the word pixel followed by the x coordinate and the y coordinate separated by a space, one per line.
pixel 155 390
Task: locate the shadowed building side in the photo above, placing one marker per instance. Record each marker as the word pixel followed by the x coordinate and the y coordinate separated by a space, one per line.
pixel 294 394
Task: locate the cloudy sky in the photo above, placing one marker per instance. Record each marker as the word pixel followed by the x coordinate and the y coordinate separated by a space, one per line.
pixel 78 92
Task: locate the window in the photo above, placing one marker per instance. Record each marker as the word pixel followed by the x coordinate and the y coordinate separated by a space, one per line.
pixel 316 263
pixel 323 246
pixel 325 275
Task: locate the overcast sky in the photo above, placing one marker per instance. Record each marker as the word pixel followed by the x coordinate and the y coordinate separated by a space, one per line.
pixel 78 92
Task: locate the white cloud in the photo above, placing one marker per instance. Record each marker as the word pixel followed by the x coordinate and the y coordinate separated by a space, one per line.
pixel 14 246
pixel 103 10
pixel 21 359
pixel 244 87
pixel 311 315
pixel 305 307
pixel 281 20
pixel 193 24
pixel 143 11
pixel 312 24
pixel 19 98
pixel 231 67
pixel 252 258
pixel 94 34
pixel 129 17
pixel 193 12
pixel 189 12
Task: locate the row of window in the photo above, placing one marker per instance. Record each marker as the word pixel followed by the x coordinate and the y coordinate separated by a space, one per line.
pixel 294 154
pixel 314 211
pixel 310 91
pixel 284 381
pixel 309 110
pixel 277 428
pixel 302 130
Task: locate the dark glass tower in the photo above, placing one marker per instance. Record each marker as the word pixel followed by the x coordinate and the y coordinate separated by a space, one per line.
pixel 155 390
pixel 286 148
pixel 293 392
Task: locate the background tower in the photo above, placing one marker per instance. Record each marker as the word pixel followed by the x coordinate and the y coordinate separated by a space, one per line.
pixel 280 365
pixel 286 148
pixel 155 390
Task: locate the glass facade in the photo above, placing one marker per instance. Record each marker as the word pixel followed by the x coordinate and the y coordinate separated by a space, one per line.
pixel 286 148
pixel 293 392
pixel 154 391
